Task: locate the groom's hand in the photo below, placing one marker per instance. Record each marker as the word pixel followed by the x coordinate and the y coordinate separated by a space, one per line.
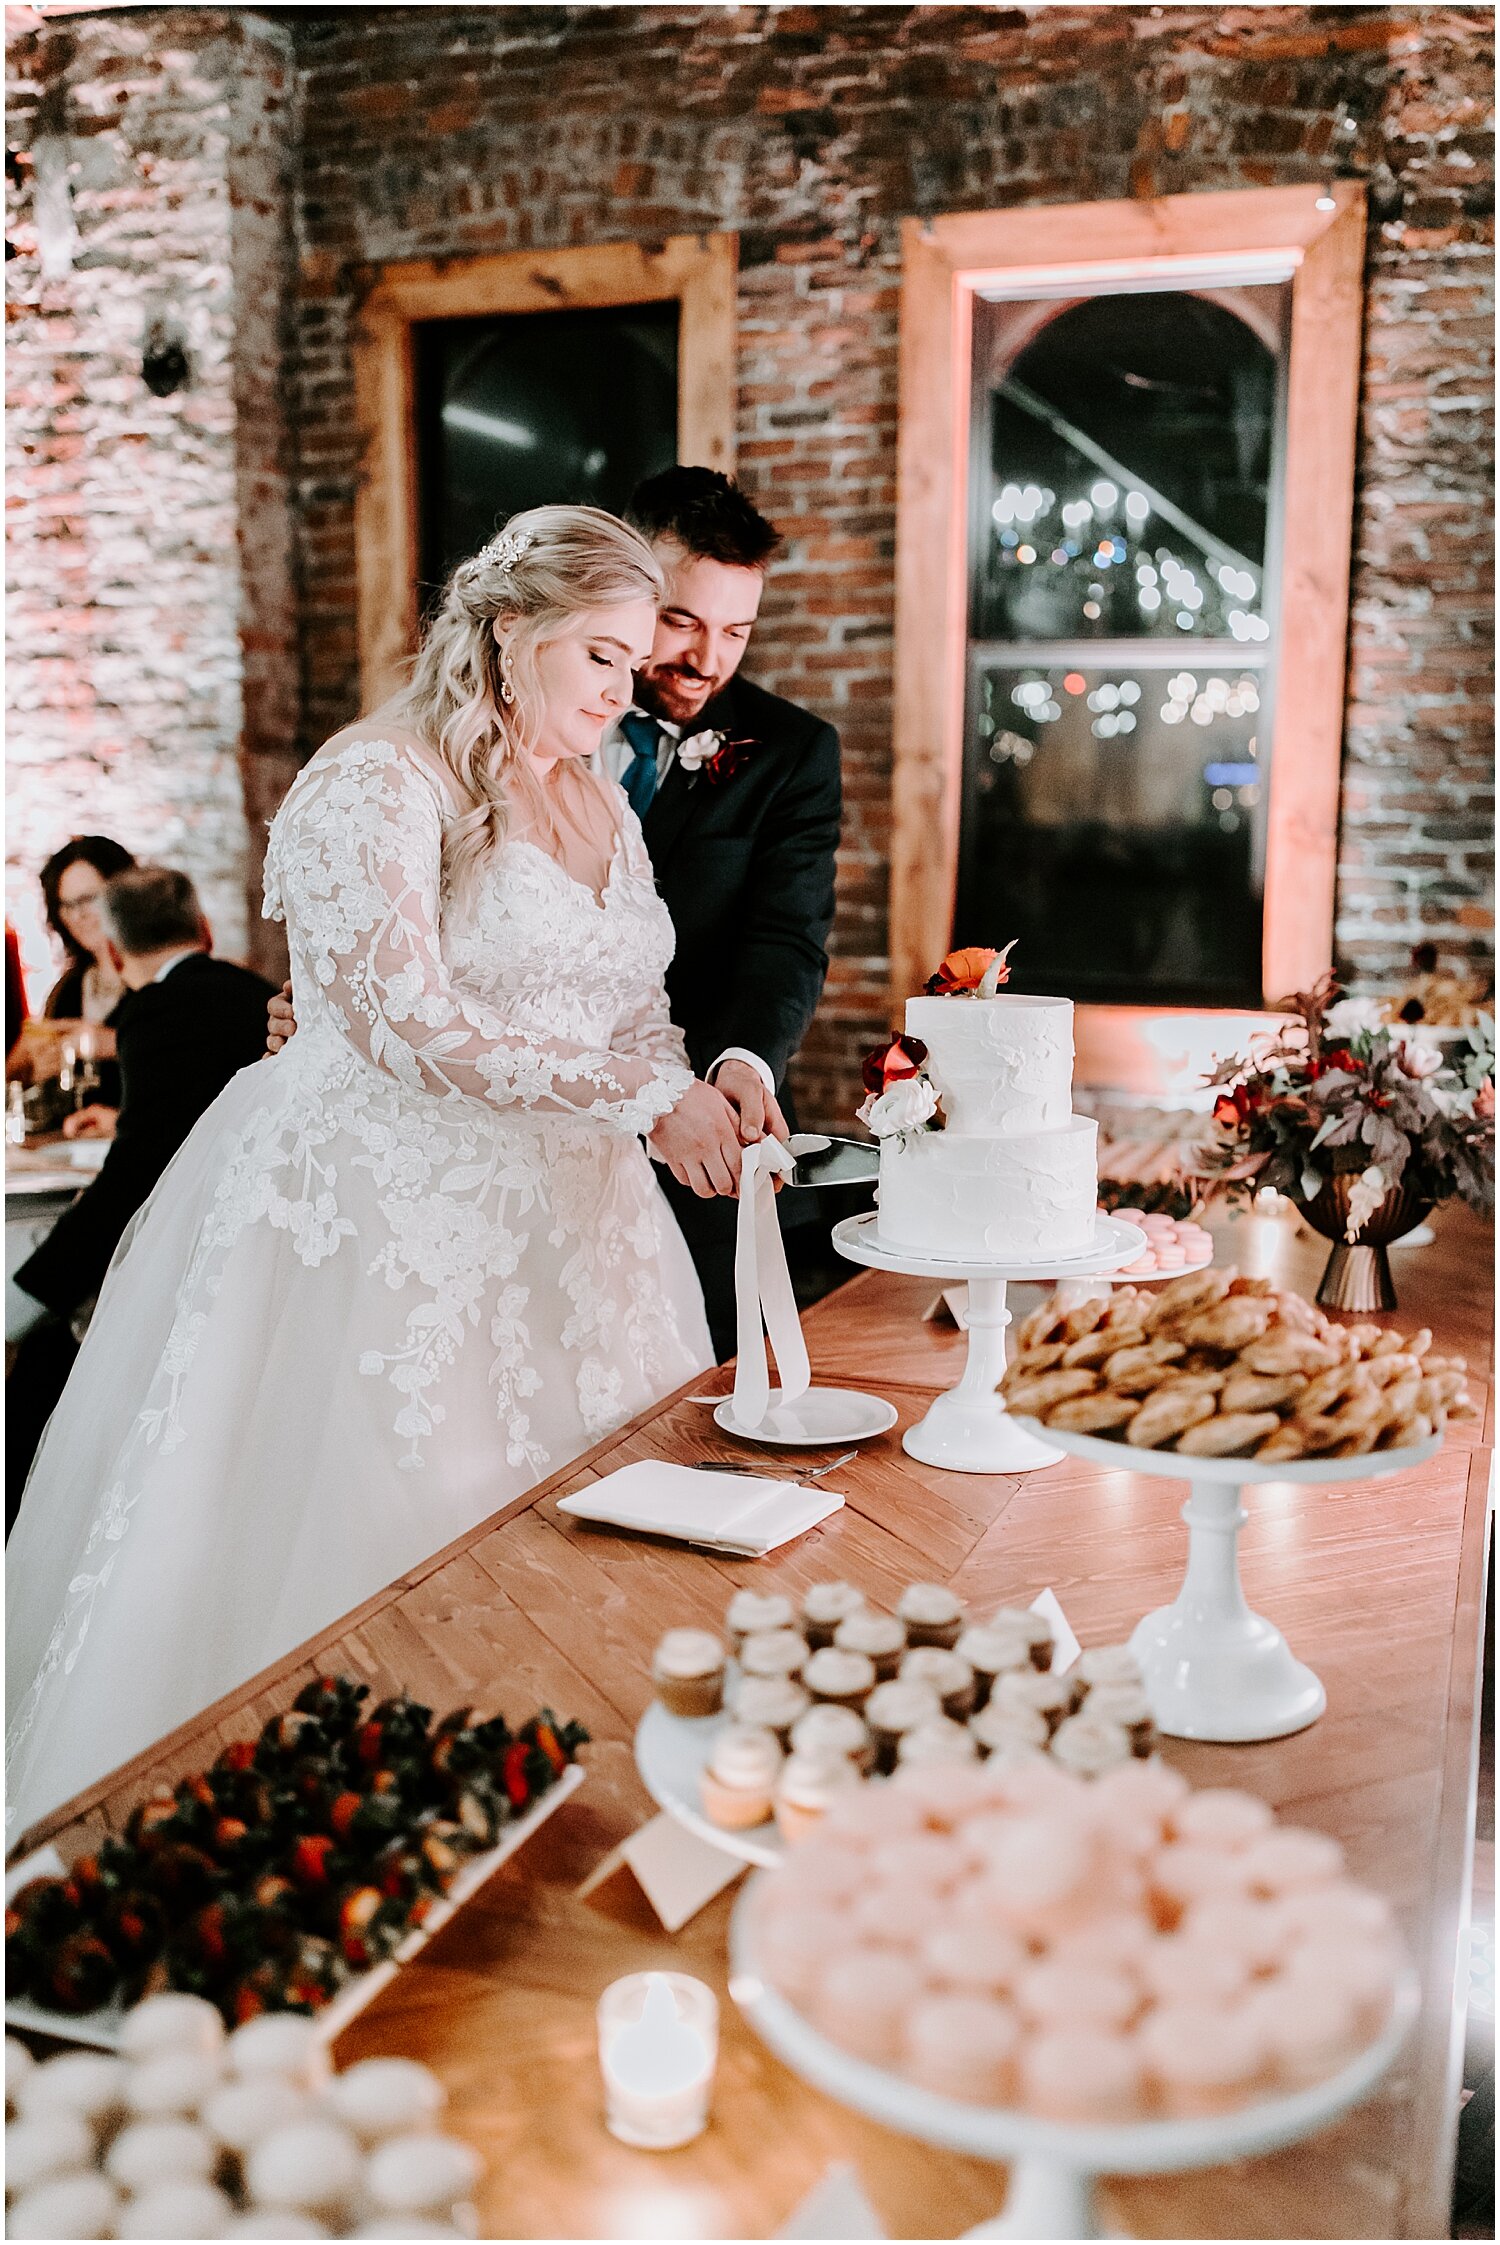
pixel 755 1107
pixel 281 1022
pixel 700 1142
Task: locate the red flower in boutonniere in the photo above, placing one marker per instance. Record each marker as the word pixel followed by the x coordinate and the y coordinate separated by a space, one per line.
pixel 714 755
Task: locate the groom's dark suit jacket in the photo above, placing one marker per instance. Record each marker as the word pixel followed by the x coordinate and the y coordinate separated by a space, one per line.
pixel 745 866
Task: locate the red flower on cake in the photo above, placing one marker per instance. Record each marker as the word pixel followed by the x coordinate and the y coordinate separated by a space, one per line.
pixel 892 1063
pixel 964 971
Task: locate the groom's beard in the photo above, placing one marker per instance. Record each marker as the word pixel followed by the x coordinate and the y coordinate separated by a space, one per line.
pixel 661 694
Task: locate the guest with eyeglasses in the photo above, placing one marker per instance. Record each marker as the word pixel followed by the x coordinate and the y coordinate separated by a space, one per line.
pixel 89 987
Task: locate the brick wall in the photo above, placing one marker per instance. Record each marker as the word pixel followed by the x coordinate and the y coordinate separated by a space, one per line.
pixel 811 132
pixel 152 638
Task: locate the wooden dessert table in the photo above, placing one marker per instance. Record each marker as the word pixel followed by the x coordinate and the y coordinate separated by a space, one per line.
pixel 1381 1588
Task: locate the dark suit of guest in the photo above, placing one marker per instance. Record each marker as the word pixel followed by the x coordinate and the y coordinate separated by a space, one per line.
pixel 744 862
pixel 179 1041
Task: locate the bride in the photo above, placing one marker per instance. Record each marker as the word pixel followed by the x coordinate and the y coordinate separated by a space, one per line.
pixel 405 1269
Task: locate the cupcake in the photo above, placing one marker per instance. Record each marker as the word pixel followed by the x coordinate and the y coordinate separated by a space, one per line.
pixel 380 2097
pixel 770 1703
pixel 829 1729
pixel 864 2000
pixel 1310 2028
pixel 172 2021
pixel 894 1709
pixel 74 2206
pixel 1054 1996
pixel 824 1607
pixel 47 2144
pixel 751 1612
pixel 941 1741
pixel 1088 1747
pixel 1251 1932
pixel 421 2178
pixel 1038 1694
pixel 795 1945
pixel 737 1779
pixel 842 1678
pixel 1289 1859
pixel 805 1787
pixel 1036 1630
pixel 990 1651
pixel 176 2210
pixel 1365 1972
pixel 313 2167
pixel 1127 1705
pixel 172 2086
pixel 880 1637
pixel 1009 1730
pixel 1202 2058
pixel 688 1671
pixel 160 2151
pixel 86 2082
pixel 1182 1968
pixel 772 1652
pixel 951 1678
pixel 933 1616
pixel 1185 1872
pixel 1105 1664
pixel 974 1959
pixel 1219 1816
pixel 1082 2074
pixel 963 2046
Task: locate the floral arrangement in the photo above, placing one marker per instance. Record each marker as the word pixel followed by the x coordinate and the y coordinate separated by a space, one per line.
pixel 299 1859
pixel 1339 1090
pixel 903 1099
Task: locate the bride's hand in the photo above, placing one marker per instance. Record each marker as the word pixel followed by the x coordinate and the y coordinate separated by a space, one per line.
pixel 700 1142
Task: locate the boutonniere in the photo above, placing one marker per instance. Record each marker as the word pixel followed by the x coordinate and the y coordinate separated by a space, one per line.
pixel 715 755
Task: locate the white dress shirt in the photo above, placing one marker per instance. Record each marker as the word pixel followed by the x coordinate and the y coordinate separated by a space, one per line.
pixel 615 753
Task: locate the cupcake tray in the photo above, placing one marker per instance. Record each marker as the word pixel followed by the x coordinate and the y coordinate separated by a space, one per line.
pixel 671 1752
pixel 1214 1668
pixel 1054 2165
pixel 101 2029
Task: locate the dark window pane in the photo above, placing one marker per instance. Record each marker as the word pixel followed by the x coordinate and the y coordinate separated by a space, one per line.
pixel 1126 484
pixel 525 408
pixel 1113 822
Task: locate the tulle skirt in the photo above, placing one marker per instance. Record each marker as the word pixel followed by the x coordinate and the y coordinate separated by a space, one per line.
pixel 297 1387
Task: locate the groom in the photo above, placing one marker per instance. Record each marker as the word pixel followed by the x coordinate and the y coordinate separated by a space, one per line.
pixel 738 792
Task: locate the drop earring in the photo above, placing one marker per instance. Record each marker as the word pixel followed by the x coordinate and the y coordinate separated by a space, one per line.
pixel 507 691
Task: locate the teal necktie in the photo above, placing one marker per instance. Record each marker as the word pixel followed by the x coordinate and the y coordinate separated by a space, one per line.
pixel 639 776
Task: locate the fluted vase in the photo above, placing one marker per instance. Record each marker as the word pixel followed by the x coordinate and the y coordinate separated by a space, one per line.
pixel 1358 1276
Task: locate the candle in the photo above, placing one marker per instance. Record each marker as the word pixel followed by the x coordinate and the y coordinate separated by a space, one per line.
pixel 658 2046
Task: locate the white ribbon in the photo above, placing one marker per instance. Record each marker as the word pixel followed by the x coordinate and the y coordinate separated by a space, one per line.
pixel 763 1290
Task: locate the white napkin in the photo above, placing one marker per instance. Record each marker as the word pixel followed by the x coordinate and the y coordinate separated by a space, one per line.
pixel 763 1290
pixel 743 1514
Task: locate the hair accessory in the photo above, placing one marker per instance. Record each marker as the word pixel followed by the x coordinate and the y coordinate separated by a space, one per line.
pixel 505 551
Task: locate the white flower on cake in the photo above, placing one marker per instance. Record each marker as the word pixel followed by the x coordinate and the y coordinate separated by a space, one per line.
pixel 906 1106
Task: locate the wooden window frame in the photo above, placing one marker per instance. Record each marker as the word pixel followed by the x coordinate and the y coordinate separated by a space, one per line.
pixel 698 271
pixel 946 263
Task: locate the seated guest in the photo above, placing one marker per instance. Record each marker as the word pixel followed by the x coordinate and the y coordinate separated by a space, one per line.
pixel 89 987
pixel 188 1023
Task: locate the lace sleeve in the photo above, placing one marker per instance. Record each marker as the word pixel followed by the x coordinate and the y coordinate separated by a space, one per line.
pixel 355 861
pixel 650 1030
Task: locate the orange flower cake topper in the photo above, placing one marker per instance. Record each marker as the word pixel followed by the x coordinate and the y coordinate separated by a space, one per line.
pixel 971 973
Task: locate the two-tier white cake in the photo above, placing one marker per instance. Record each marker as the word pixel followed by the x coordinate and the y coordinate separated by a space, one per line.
pixel 1014 1173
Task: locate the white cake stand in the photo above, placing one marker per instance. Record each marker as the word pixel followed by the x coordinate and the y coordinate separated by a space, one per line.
pixel 1215 1669
pixel 671 1752
pixel 1053 2166
pixel 969 1430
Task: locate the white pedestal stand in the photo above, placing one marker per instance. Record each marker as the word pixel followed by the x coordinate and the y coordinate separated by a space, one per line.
pixel 969 1430
pixel 1213 1668
pixel 1053 2167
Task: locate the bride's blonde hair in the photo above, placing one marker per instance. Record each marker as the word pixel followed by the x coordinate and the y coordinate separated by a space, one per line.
pixel 479 708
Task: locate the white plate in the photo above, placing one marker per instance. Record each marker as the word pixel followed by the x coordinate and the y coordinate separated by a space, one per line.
pixel 101 2030
pixel 818 1420
pixel 670 1753
pixel 1114 1246
pixel 1144 2147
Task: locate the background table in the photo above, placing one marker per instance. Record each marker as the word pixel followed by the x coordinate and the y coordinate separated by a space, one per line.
pixel 1380 1586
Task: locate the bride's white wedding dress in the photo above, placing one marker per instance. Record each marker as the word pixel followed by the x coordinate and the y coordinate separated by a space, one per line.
pixel 395 1276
